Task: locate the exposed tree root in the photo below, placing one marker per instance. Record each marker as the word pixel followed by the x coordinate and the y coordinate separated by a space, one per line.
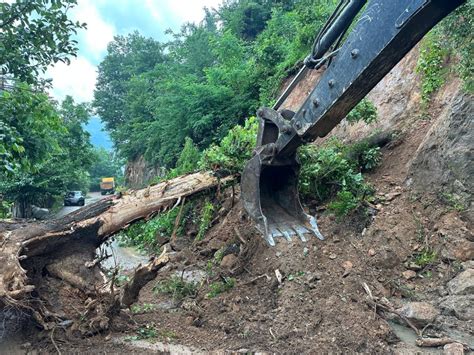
pixel 43 264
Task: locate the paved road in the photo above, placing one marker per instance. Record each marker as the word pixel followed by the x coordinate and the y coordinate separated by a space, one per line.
pixel 125 258
pixel 90 198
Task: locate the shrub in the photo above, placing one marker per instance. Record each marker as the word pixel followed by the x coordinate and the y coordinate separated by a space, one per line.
pixel 205 220
pixel 457 30
pixel 371 158
pixel 234 150
pixel 189 158
pixel 328 174
pixel 216 288
pixel 364 111
pixel 143 234
pixel 188 162
pixel 344 203
pixel 430 65
pixel 176 287
pixel 363 155
pixel 5 208
pixel 425 257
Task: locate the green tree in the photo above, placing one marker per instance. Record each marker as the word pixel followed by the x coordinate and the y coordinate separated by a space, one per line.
pixel 207 79
pixel 55 150
pixel 105 164
pixel 127 57
pixel 35 34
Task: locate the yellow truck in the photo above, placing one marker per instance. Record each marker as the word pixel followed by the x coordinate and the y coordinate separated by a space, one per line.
pixel 107 185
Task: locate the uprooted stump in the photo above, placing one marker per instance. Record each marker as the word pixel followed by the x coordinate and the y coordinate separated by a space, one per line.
pixel 48 268
pixel 141 276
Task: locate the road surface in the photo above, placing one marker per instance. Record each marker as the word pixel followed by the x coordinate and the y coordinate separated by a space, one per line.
pixel 124 257
pixel 90 198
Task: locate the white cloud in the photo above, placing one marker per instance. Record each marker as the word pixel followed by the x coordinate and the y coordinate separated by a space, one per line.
pixel 154 9
pixel 98 34
pixel 186 10
pixel 77 79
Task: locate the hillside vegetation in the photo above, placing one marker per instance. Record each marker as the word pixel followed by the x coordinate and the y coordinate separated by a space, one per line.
pixel 213 75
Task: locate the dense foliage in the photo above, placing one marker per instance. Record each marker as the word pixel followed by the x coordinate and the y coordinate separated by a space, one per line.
pixel 332 172
pixel 431 65
pixel 105 164
pixel 207 79
pixel 52 151
pixel 44 149
pixel 231 154
pixel 457 30
pixel 364 111
pixel 451 40
pixel 150 235
pixel 35 34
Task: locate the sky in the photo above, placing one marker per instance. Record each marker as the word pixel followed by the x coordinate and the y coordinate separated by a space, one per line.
pixel 107 18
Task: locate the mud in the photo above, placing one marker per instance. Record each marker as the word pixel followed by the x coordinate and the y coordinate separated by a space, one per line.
pixel 319 304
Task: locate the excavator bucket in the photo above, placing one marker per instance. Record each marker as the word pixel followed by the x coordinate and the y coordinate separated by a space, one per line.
pixel 270 196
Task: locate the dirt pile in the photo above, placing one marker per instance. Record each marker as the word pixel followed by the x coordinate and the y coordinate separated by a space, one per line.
pixel 408 262
pixel 413 250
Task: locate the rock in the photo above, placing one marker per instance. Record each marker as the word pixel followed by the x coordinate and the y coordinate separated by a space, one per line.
pixel 229 261
pixel 392 195
pixel 442 291
pixel 462 284
pixel 39 213
pixel 447 148
pixel 371 252
pixel 26 345
pixel 468 265
pixel 420 313
pixel 332 256
pixel 460 306
pixel 279 276
pixel 313 277
pixel 453 349
pixel 409 274
pixel 458 249
pixel 464 251
pixel 347 265
pixel 413 266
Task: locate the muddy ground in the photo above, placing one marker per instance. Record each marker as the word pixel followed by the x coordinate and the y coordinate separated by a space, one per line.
pixel 320 304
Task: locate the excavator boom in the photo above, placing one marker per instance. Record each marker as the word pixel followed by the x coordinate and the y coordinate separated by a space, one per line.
pixel 383 34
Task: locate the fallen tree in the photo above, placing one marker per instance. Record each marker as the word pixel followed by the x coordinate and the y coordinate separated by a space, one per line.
pixel 40 260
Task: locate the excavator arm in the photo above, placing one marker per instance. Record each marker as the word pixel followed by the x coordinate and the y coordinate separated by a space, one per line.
pixel 382 35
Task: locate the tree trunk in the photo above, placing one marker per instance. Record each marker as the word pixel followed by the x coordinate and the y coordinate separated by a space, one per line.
pixel 37 260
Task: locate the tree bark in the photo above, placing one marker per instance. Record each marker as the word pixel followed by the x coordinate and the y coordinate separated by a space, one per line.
pixel 64 248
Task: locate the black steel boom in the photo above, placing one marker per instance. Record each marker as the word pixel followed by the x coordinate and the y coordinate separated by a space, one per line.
pixel 382 35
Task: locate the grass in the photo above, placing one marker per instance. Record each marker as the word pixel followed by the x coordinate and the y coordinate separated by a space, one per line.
pixel 218 287
pixel 145 332
pixel 176 287
pixel 205 220
pixel 425 257
pixel 144 308
pixel 454 202
pixel 291 277
pixel 150 332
